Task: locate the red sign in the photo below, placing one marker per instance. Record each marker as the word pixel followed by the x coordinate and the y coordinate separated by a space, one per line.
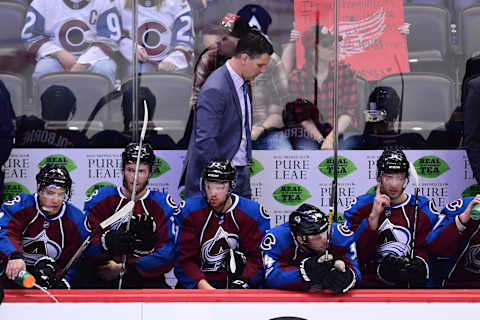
pixel 371 43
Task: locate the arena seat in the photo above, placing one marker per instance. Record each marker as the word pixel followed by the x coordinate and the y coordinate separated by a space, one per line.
pixel 16 87
pixel 172 93
pixel 469 20
pixel 428 99
pixel 438 3
pixel 427 52
pixel 363 91
pixel 88 88
pixel 12 18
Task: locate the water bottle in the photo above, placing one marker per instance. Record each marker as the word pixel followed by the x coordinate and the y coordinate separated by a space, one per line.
pixel 475 213
pixel 25 279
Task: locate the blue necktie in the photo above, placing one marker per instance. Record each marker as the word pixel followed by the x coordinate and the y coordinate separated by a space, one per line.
pixel 247 122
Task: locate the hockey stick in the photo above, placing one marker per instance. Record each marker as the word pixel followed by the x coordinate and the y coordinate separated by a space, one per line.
pixel 134 191
pixel 415 216
pixel 330 216
pixel 101 227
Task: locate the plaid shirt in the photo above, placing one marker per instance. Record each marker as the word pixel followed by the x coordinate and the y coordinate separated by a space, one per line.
pixel 209 61
pixel 302 86
pixel 270 91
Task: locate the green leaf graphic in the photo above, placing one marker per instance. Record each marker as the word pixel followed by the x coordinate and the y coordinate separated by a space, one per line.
pixel 12 189
pixel 97 186
pixel 291 194
pixel 161 167
pixel 431 166
pixel 59 159
pixel 471 191
pixel 372 189
pixel 345 167
pixel 255 167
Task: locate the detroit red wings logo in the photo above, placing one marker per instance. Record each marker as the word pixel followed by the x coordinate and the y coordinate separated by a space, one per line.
pixel 358 36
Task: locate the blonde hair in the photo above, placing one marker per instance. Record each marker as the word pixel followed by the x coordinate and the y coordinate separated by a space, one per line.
pixel 129 4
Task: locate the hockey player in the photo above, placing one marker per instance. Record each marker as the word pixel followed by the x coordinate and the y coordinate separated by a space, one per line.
pixel 72 35
pixel 384 247
pixel 456 240
pixel 41 232
pixel 165 34
pixel 220 234
pixel 149 243
pixel 294 254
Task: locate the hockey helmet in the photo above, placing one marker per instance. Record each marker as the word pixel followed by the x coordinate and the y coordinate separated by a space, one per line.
pixel 385 100
pixel 392 161
pixel 53 174
pixel 308 220
pixel 130 154
pixel 220 171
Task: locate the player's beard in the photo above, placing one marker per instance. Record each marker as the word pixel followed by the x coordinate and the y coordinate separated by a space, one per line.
pixel 140 187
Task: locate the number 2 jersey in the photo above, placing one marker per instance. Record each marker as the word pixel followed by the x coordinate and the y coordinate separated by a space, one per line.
pixel 165 32
pixel 91 31
pixel 204 239
pixel 459 250
pixel 143 270
pixel 26 230
pixel 282 256
pixel 394 233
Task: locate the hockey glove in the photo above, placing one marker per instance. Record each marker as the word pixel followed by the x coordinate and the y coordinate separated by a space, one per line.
pixel 415 273
pixel 117 242
pixel 143 230
pixel 390 269
pixel 314 269
pixel 240 283
pixel 338 281
pixel 235 260
pixel 44 271
pixel 62 284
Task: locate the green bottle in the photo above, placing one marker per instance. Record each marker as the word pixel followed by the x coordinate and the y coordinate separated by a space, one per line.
pixel 25 279
pixel 475 213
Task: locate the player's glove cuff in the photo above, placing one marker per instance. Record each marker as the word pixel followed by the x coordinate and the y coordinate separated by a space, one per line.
pixel 240 283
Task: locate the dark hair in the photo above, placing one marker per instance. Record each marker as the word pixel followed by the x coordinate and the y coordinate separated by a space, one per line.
pixel 144 94
pixel 58 103
pixel 254 44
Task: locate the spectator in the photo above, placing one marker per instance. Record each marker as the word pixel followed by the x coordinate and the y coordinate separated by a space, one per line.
pixel 314 83
pixel 165 35
pixel 66 36
pixel 52 130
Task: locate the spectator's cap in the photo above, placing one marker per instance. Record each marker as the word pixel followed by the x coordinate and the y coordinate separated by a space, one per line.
pixel 325 37
pixel 256 16
pixel 235 25
pixel 58 103
pixel 144 94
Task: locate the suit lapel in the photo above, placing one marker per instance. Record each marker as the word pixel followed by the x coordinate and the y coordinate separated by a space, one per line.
pixel 235 97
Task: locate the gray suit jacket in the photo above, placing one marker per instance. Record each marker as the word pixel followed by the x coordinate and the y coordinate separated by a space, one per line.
pixel 217 127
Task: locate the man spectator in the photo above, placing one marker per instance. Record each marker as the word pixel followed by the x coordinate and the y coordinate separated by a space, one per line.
pixel 314 83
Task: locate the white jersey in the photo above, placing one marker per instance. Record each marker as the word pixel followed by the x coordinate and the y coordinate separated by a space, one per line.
pixel 160 31
pixel 52 25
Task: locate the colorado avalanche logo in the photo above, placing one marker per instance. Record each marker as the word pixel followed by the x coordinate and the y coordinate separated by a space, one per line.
pixel 393 240
pixel 155 38
pixel 41 245
pixel 73 36
pixel 214 250
pixel 472 262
